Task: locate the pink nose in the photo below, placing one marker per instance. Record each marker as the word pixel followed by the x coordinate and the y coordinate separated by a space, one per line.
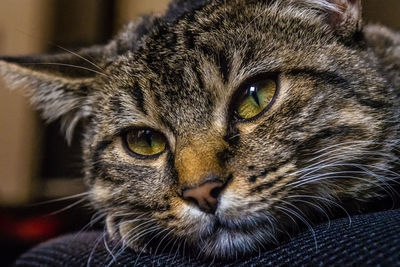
pixel 205 196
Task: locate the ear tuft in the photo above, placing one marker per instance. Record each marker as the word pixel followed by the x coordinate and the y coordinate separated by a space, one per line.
pixel 348 18
pixel 343 16
pixel 55 94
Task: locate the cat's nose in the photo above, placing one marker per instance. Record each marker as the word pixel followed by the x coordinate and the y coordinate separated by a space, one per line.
pixel 205 196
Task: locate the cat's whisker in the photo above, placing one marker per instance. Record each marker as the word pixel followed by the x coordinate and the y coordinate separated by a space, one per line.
pixel 145 223
pixel 363 170
pixel 62 48
pixel 315 169
pixel 94 219
pixel 302 219
pixel 85 195
pixel 318 208
pixel 290 216
pixel 144 231
pixel 349 150
pixel 145 246
pixel 133 237
pixel 67 65
pixel 319 179
pixel 80 56
pixel 382 178
pixel 343 155
pixel 295 223
pixel 170 232
pixel 67 207
pixel 136 216
pixel 331 162
pixel 337 162
pixel 329 201
pixel 173 246
pixel 345 145
pixel 354 155
pixel 184 249
pixel 212 262
pixel 308 177
pixel 96 243
pixel 233 136
pixel 131 240
pixel 117 254
pixel 260 243
pixel 114 257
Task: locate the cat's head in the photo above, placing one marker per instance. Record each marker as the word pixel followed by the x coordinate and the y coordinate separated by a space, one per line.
pixel 220 126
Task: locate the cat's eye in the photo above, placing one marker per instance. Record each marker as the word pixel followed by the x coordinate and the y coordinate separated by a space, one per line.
pixel 254 98
pixel 145 142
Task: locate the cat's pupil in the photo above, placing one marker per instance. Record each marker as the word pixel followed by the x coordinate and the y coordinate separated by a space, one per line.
pixel 148 137
pixel 253 91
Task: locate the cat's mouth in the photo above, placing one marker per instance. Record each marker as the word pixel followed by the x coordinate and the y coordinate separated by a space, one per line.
pixel 223 236
pixel 242 225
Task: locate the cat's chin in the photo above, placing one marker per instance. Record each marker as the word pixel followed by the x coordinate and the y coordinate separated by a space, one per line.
pixel 229 244
pixel 229 239
pixel 222 239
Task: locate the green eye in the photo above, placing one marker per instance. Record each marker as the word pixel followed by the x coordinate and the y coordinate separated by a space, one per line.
pixel 145 142
pixel 255 98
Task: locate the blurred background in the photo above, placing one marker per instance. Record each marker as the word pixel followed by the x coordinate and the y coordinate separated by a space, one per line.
pixel 36 165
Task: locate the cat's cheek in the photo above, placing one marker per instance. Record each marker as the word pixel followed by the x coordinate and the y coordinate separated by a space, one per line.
pixel 185 211
pixel 243 197
pixel 358 117
pixel 237 189
pixel 100 193
pixel 231 204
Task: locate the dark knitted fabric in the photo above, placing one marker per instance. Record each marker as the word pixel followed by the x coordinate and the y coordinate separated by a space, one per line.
pixel 372 239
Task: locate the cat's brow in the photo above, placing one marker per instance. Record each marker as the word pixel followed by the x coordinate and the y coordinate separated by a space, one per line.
pixel 326 76
pixel 134 92
pixel 224 66
pixel 221 60
pixel 137 94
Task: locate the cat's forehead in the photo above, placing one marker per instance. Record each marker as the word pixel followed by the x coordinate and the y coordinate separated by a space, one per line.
pixel 185 70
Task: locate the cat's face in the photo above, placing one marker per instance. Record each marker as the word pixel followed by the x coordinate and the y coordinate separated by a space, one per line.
pixel 232 124
pixel 185 84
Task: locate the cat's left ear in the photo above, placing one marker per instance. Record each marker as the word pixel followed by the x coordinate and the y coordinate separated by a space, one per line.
pixel 60 86
pixel 346 16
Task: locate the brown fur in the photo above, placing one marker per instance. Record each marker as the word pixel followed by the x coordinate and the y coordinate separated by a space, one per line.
pixel 329 141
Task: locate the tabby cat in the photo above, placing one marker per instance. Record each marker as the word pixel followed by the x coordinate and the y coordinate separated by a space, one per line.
pixel 220 125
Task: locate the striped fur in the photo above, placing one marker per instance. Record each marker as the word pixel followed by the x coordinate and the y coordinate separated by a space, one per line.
pixel 329 143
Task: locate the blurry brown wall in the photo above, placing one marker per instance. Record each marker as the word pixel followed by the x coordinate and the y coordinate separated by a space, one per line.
pixel 18 133
pixel 386 12
pixel 28 26
pixel 127 10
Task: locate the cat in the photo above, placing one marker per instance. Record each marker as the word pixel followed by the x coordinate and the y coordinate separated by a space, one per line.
pixel 220 125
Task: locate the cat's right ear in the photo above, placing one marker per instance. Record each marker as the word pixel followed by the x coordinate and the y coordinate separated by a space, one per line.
pixel 344 16
pixel 60 86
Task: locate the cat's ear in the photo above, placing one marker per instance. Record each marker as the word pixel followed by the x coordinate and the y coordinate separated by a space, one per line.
pixel 60 85
pixel 345 17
